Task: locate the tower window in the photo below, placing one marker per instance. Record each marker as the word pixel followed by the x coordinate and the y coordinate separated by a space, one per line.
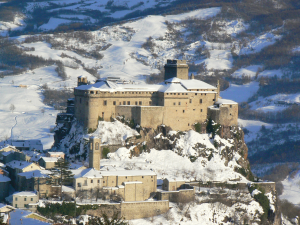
pixel 179 103
pixel 91 181
pixel 124 102
pixel 200 100
pixel 174 103
pixel 136 103
pixel 190 100
pixel 183 111
pixel 140 102
pixel 114 102
pixel 128 102
pixel 230 106
pixel 201 110
pixel 97 146
pixel 104 102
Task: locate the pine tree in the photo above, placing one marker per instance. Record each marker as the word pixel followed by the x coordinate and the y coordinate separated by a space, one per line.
pixel 61 173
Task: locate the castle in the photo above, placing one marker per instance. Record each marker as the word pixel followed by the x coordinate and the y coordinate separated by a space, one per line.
pixel 178 102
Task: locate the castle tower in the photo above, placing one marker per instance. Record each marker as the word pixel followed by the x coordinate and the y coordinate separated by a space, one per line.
pixel 176 68
pixel 94 153
pixel 82 80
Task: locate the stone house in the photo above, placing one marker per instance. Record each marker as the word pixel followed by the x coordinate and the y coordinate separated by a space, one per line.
pixel 25 200
pixel 15 167
pixel 172 184
pixel 179 102
pixel 47 162
pixel 4 187
pixel 55 154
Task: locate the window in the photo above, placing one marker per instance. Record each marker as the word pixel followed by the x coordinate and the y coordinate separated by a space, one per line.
pixel 183 111
pixel 182 93
pixel 104 182
pixel 113 182
pixel 179 103
pixel 25 199
pixel 136 103
pixel 92 181
pixel 230 106
pixel 16 205
pixel 124 102
pixel 31 199
pixel 97 146
pixel 128 102
pixel 200 100
pixel 194 109
pixel 167 93
pixel 174 103
pixel 195 93
pixel 150 103
pixel 98 181
pixel 16 199
pixel 197 89
pixel 85 183
pixel 80 100
pixel 142 176
pixel 190 100
pixel 78 184
pixel 213 99
pixel 114 102
pixel 104 102
pixel 125 177
pixel 140 102
pixel 151 176
pixel 201 110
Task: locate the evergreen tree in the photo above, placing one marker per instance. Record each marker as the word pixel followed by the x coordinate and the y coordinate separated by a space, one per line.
pixel 61 174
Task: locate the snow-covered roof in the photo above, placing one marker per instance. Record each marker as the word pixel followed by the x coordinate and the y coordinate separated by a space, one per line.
pixel 132 182
pixel 196 84
pixel 67 189
pixel 225 101
pixel 92 173
pixel 4 178
pixel 50 159
pixel 56 153
pixel 15 164
pixel 31 144
pixel 22 215
pixel 171 85
pixel 35 173
pixel 7 153
pixel 25 193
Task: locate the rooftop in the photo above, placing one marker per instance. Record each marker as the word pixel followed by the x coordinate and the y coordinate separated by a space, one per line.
pixel 15 164
pixel 25 193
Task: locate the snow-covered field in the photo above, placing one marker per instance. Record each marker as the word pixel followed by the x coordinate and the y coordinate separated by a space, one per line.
pixel 291 190
pixel 240 93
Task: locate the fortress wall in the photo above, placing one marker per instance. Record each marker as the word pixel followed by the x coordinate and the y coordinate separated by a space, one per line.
pixel 137 210
pixel 185 195
pixel 224 115
pixel 129 112
pixel 151 116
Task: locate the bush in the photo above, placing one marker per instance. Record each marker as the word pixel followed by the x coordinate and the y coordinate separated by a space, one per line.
pixel 105 152
pixel 198 127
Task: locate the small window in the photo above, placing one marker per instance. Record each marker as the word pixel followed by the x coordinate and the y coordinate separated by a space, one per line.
pixel 85 183
pixel 142 176
pixel 98 181
pixel 140 102
pixel 25 199
pixel 150 103
pixel 179 103
pixel 136 103
pixel 128 102
pixel 92 181
pixel 114 102
pixel 167 93
pixel 124 102
pixel 113 182
pixel 78 184
pixel 190 100
pixel 201 110
pixel 230 106
pixel 194 109
pixel 125 177
pixel 197 89
pixel 151 176
pixel 31 199
pixel 174 103
pixel 16 205
pixel 200 100
pixel 183 111
pixel 195 93
pixel 104 182
pixel 188 124
pixel 213 99
pixel 80 100
pixel 104 102
pixel 16 199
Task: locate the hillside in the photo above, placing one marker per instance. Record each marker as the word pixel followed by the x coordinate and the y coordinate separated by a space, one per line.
pixel 253 49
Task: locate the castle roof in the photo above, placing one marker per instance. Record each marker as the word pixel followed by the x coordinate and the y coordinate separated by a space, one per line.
pixel 171 85
pixel 221 101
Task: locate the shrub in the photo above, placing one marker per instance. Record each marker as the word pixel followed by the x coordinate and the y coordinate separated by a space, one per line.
pixel 105 152
pixel 198 127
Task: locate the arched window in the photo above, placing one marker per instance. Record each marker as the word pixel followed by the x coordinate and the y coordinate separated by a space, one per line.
pixel 97 146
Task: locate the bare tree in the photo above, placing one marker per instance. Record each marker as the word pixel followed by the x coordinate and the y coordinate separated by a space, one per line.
pixel 12 108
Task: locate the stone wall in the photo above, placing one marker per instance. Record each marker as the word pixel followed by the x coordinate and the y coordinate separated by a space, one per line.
pixel 132 210
pixel 184 195
pixel 137 210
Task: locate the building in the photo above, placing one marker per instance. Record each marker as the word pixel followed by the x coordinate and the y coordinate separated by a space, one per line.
pixel 25 200
pixel 4 187
pixel 47 162
pixel 178 102
pixel 33 144
pixel 15 167
pixel 55 154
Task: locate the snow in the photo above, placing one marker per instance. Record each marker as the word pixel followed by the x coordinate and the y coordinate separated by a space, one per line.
pixel 249 71
pixel 291 189
pixel 25 193
pixel 19 216
pixel 18 164
pixel 240 93
pixel 4 178
pixel 53 23
pixel 179 166
pixel 260 42
pixel 35 173
pixel 275 103
pixel 253 126
pixel 17 24
pixel 222 101
pixel 114 133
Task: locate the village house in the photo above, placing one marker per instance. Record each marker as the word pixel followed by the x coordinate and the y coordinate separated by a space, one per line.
pixel 55 154
pixel 47 162
pixel 15 167
pixel 25 200
pixel 178 102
